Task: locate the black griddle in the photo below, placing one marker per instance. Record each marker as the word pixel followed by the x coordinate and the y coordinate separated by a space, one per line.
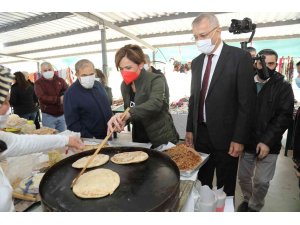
pixel 152 185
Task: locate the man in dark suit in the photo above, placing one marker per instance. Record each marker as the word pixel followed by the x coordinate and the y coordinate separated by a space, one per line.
pixel 220 105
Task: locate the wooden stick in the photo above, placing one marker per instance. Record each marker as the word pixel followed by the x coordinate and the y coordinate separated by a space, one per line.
pixel 27 197
pixel 97 151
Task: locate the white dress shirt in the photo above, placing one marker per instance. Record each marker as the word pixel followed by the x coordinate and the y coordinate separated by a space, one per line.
pixel 214 61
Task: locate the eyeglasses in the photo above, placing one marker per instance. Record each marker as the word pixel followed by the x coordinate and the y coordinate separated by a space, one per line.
pixel 202 36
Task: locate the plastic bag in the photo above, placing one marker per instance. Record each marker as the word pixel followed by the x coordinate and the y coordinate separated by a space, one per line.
pixel 221 198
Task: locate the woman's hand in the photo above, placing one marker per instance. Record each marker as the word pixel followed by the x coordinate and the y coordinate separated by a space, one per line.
pixel 116 124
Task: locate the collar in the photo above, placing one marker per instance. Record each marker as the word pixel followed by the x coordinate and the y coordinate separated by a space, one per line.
pixel 217 52
pixel 256 80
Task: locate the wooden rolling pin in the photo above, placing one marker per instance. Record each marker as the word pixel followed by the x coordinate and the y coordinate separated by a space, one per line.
pixel 27 197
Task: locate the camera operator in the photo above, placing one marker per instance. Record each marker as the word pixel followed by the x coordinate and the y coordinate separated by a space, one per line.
pixel 273 113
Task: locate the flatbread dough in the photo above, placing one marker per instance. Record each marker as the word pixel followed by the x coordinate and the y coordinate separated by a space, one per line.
pixel 129 157
pixel 96 183
pixel 99 160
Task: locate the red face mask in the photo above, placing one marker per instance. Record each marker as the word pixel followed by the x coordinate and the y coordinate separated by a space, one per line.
pixel 129 76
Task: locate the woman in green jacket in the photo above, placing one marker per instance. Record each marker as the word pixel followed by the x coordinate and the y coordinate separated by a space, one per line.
pixel 144 92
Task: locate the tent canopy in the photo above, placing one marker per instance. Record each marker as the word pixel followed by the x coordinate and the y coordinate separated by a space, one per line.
pixel 41 36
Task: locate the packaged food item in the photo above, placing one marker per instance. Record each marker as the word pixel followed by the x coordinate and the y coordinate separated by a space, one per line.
pixel 54 157
pixel 28 128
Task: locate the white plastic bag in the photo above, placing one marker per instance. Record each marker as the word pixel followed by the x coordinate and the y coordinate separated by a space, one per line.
pixel 221 198
pixel 164 147
pixel 205 199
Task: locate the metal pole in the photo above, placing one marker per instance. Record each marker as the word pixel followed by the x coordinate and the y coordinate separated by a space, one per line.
pixel 104 51
pixel 153 58
pixel 38 66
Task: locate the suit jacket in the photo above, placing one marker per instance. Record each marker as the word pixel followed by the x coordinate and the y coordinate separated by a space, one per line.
pixel 151 108
pixel 229 101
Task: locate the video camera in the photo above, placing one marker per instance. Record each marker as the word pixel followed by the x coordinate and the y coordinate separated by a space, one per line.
pixel 242 26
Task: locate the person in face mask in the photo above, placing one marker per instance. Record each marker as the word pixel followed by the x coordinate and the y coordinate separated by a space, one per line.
pixel 221 101
pixel 297 80
pixel 102 78
pixel 273 115
pixel 145 92
pixel 50 91
pixel 86 105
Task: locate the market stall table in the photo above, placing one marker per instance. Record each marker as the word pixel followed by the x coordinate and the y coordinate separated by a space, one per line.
pixel 185 203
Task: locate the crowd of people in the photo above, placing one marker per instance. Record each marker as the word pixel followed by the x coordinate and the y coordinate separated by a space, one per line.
pixel 237 112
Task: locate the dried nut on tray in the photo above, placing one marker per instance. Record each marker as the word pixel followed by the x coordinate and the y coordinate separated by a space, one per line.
pixel 185 157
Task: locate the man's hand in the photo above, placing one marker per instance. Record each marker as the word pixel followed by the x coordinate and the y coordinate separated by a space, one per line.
pixel 263 150
pixel 235 149
pixel 75 142
pixel 189 139
pixel 116 124
pixel 4 107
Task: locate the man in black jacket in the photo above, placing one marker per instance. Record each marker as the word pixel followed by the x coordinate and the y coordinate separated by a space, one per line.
pixel 273 113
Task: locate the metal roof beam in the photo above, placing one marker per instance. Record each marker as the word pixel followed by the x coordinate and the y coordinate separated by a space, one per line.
pixel 94 28
pixel 34 20
pixel 15 56
pixel 173 33
pixel 171 16
pixel 52 36
pixel 106 23
pixel 157 46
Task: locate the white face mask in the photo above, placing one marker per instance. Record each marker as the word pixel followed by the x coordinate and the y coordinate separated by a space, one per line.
pixel 205 46
pixel 87 81
pixel 48 74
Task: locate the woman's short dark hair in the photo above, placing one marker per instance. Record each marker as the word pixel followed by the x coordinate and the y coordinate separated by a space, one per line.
pixel 20 80
pixel 132 52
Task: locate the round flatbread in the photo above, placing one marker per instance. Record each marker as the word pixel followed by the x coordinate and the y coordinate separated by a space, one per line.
pixel 129 157
pixel 99 160
pixel 96 183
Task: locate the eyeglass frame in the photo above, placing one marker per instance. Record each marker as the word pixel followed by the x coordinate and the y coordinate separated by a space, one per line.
pixel 203 37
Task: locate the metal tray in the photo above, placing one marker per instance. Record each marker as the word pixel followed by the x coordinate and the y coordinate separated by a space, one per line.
pixel 190 173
